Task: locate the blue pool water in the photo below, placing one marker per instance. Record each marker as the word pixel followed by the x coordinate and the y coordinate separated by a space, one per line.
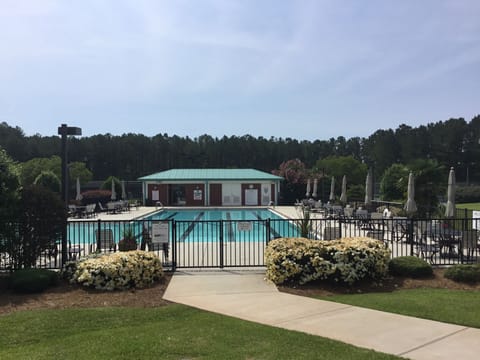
pixel 213 215
pixel 230 225
pixel 200 225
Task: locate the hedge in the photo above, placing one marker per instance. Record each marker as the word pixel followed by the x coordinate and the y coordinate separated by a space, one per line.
pixel 347 260
pixel 117 271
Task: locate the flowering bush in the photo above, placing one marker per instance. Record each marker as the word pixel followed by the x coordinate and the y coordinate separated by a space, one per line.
pixel 117 271
pixel 345 260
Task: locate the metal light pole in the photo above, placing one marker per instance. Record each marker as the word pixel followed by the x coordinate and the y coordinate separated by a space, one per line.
pixel 64 131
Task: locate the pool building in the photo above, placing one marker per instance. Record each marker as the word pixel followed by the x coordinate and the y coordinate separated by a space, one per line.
pixel 211 187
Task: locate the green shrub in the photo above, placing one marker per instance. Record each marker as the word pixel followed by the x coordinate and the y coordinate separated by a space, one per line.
pixel 32 280
pixel 467 194
pixel 129 241
pixel 117 271
pixel 299 260
pixel 410 266
pixel 463 273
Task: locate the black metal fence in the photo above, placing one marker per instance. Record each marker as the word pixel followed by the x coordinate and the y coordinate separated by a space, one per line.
pixel 235 243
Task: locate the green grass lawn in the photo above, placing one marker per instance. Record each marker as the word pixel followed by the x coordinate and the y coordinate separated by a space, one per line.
pixel 451 306
pixel 471 206
pixel 171 332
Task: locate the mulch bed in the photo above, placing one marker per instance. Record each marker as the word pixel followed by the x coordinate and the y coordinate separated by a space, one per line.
pixel 390 284
pixel 66 295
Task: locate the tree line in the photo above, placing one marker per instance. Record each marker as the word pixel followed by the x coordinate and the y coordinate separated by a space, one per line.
pixel 454 142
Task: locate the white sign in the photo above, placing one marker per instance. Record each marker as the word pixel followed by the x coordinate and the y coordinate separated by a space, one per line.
pixel 197 194
pixel 155 195
pixel 476 219
pixel 244 226
pixel 160 232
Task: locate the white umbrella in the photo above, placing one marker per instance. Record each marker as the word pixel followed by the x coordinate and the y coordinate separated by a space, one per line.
pixel 368 189
pixel 307 194
pixel 114 194
pixel 450 209
pixel 79 193
pixel 343 196
pixel 315 188
pixel 410 206
pixel 332 190
pixel 124 193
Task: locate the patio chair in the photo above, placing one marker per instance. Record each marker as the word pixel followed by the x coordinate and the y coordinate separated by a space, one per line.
pixel 331 233
pixel 159 247
pixel 399 228
pixel 362 217
pixel 74 251
pixel 72 210
pixel 105 240
pixel 51 247
pixel 111 208
pixel 90 210
pixel 100 206
pixel 376 234
pixel 469 243
pixel 427 250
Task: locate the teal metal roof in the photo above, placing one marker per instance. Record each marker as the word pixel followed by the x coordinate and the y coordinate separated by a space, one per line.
pixel 210 174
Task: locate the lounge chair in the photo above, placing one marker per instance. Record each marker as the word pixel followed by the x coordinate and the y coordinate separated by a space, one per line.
pixel 105 240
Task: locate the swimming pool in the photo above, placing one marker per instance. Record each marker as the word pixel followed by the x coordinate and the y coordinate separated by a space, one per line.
pixel 193 225
pixel 213 214
pixel 226 225
pixel 195 238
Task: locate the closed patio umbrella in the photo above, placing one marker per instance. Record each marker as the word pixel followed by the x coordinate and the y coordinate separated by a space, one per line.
pixel 315 188
pixel 307 194
pixel 368 188
pixel 450 209
pixel 79 193
pixel 343 196
pixel 410 206
pixel 114 194
pixel 124 193
pixel 332 190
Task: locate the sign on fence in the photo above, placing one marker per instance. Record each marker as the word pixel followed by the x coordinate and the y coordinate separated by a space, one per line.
pixel 244 226
pixel 160 232
pixel 476 219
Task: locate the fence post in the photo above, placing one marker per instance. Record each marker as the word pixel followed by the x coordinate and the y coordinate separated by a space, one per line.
pixel 340 227
pixel 220 250
pixel 410 235
pixel 174 245
pixel 268 231
pixel 465 217
pixel 99 228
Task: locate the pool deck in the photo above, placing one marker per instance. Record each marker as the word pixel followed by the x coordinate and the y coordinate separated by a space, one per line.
pixel 134 213
pixel 286 211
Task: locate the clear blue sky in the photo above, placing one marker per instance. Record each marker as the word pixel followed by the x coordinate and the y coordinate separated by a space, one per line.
pixel 301 69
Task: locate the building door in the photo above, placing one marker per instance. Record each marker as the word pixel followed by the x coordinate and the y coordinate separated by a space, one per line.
pixel 251 197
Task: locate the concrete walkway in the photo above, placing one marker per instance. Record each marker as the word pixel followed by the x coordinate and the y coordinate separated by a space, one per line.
pixel 246 295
